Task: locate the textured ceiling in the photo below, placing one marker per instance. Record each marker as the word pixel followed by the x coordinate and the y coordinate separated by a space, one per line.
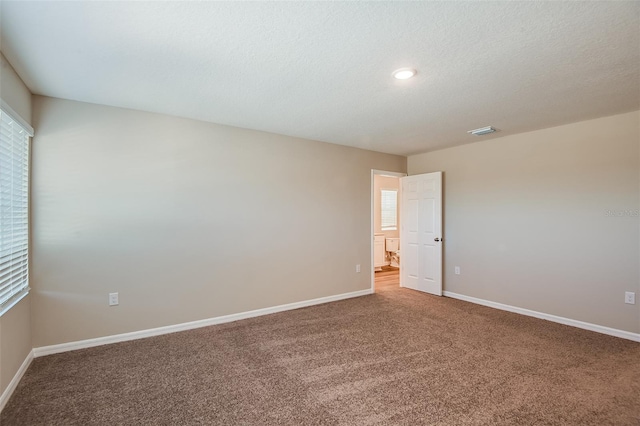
pixel 322 70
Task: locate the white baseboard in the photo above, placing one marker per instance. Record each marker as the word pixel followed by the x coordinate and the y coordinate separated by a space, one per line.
pixel 82 344
pixel 4 398
pixel 566 321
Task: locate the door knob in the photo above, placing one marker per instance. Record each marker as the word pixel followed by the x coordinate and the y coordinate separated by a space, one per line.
pixel 436 239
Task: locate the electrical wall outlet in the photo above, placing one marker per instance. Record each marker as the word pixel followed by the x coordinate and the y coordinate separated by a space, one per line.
pixel 630 297
pixel 113 299
pixel 457 270
pixel 358 268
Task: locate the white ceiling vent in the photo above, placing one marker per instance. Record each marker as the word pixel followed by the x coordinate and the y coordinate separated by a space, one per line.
pixel 482 131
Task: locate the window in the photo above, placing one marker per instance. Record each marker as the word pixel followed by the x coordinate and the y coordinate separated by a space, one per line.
pixel 14 208
pixel 389 209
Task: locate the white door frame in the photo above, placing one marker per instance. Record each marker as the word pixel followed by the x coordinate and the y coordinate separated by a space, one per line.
pixel 375 172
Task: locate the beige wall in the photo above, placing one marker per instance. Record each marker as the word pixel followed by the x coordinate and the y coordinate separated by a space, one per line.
pixel 186 220
pixel 526 219
pixel 379 183
pixel 15 324
pixel 15 340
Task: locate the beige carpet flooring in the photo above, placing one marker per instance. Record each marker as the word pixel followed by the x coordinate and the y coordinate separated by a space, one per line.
pixel 397 357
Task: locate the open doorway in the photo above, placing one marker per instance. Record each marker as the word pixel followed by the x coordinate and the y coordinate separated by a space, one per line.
pixel 385 229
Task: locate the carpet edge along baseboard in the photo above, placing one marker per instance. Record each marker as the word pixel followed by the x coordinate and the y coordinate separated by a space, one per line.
pixel 141 334
pixel 549 317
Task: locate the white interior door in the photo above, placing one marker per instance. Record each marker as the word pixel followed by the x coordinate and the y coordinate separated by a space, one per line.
pixel 421 233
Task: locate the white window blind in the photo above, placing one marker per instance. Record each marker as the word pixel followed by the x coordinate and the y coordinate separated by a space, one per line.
pixel 14 209
pixel 389 209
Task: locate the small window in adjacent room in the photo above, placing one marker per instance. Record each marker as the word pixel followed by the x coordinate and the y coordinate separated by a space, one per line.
pixel 14 208
pixel 389 209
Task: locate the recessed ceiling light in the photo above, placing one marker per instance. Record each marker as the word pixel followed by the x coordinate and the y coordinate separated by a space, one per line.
pixel 482 131
pixel 404 73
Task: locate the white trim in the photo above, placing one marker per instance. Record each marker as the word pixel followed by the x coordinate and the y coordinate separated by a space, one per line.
pixel 388 174
pixel 16 117
pixel 16 379
pixel 561 320
pixel 89 343
pixel 375 172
